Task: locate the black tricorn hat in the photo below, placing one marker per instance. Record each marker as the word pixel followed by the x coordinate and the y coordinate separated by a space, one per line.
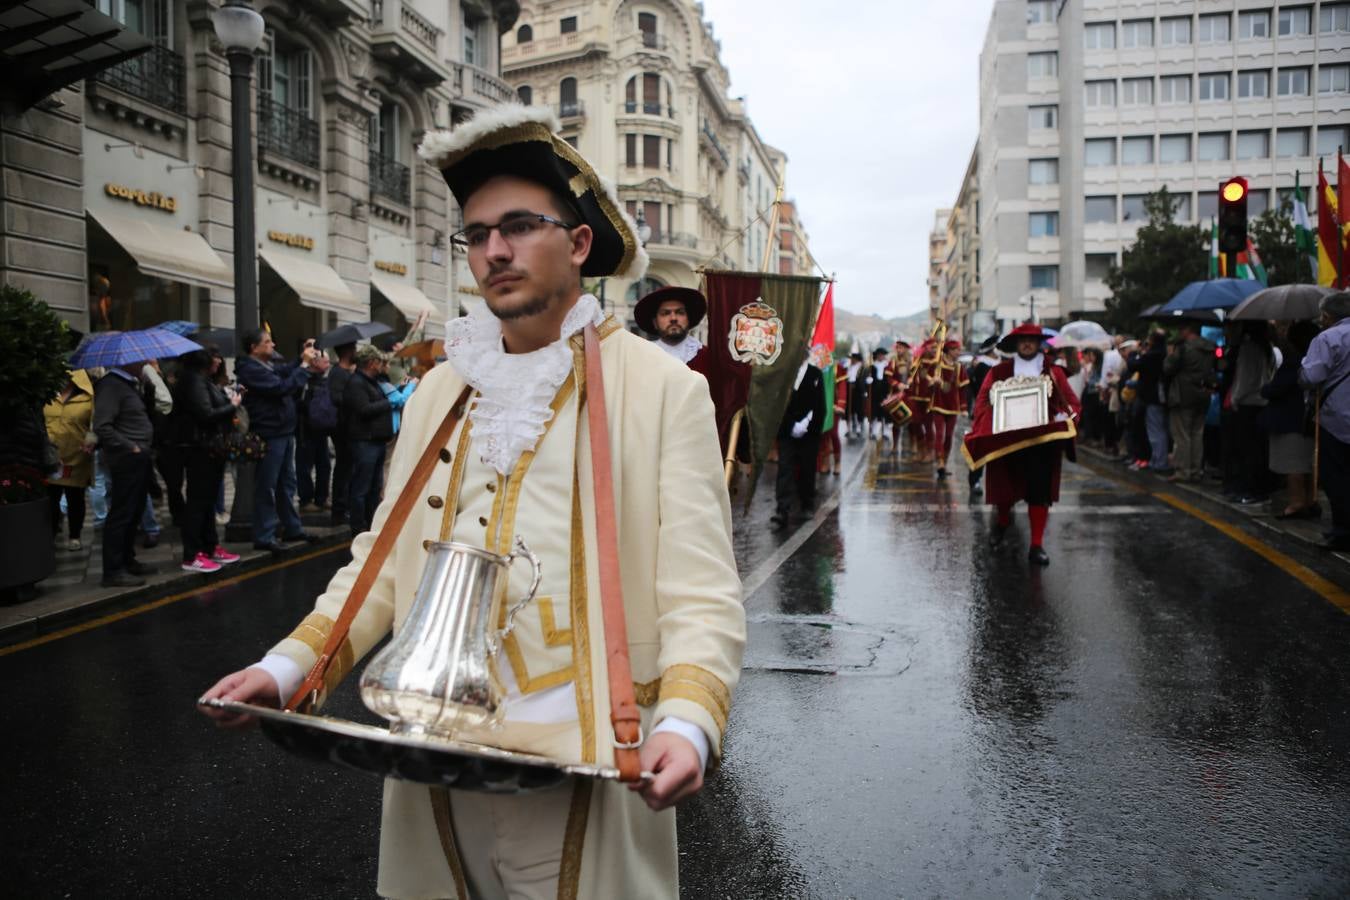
pixel 512 139
pixel 644 311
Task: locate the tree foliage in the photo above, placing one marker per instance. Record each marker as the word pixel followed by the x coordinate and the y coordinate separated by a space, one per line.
pixel 1272 233
pixel 34 343
pixel 1164 258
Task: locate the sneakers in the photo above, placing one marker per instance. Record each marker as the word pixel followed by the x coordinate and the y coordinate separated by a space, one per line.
pixel 202 563
pixel 223 556
pixel 71 545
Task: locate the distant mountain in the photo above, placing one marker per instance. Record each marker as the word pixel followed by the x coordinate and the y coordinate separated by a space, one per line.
pixel 873 329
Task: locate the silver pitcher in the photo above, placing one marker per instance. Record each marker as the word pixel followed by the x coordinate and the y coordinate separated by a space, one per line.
pixel 439 673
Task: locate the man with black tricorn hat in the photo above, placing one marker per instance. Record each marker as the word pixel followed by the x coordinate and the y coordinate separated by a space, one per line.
pixel 527 459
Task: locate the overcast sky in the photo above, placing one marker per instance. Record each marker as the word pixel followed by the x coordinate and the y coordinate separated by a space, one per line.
pixel 876 103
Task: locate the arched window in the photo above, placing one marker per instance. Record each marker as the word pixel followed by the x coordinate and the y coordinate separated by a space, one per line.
pixel 641 288
pixel 524 34
pixel 525 95
pixel 567 98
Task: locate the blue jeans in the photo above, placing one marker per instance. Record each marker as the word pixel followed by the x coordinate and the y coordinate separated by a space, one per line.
pixel 366 484
pixel 1155 419
pixel 274 492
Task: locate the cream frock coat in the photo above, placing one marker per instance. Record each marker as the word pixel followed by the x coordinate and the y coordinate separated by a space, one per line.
pixel 686 625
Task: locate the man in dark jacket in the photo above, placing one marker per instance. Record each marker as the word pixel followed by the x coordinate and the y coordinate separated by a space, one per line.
pixel 1191 378
pixel 338 377
pixel 270 392
pixel 798 443
pixel 1149 367
pixel 124 436
pixel 370 427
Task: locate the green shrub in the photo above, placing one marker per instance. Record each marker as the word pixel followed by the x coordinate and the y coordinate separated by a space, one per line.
pixel 34 342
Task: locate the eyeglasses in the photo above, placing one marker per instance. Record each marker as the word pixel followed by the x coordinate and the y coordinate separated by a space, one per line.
pixel 514 229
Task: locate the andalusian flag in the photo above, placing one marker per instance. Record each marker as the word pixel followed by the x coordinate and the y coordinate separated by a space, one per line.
pixel 758 329
pixel 1304 239
pixel 822 353
pixel 1330 245
pixel 1255 270
pixel 1214 251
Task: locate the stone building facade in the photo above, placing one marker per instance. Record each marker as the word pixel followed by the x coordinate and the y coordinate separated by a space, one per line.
pixel 640 90
pixel 117 196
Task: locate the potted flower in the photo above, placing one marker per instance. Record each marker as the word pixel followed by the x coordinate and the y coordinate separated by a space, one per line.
pixel 34 343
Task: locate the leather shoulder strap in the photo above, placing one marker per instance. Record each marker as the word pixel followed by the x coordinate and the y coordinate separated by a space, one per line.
pixel 623 707
pixel 384 542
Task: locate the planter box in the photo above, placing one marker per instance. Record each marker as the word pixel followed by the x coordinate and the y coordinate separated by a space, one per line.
pixel 27 554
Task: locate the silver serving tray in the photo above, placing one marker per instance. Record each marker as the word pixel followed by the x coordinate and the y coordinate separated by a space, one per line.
pixel 445 763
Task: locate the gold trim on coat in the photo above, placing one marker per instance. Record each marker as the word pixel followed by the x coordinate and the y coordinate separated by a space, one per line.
pixel 581 635
pixel 694 683
pixel 574 839
pixel 456 479
pixel 1020 445
pixel 440 811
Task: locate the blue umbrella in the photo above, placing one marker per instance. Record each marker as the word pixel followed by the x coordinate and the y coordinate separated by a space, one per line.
pixel 117 348
pixel 1216 293
pixel 178 326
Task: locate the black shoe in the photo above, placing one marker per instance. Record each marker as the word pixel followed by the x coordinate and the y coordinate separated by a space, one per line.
pixel 122 579
pixel 270 546
pixel 140 568
pixel 300 536
pixel 1038 556
pixel 150 541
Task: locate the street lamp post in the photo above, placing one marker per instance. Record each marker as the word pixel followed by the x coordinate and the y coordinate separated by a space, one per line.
pixel 240 29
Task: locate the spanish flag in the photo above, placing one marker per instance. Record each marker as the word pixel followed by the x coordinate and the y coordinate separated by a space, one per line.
pixel 1331 249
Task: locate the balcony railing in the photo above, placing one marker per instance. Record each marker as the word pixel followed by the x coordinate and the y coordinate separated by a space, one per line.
pixel 632 107
pixel 574 109
pixel 471 80
pixel 673 239
pixel 156 77
pixel 652 40
pixel 390 178
pixel 716 144
pixel 287 132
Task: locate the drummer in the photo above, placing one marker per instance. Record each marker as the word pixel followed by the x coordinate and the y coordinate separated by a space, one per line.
pixel 538 221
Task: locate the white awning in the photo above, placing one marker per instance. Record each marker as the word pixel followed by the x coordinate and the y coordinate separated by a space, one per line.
pixel 409 300
pixel 319 285
pixel 167 252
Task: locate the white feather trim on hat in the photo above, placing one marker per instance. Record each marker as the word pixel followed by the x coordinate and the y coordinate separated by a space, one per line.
pixel 638 267
pixel 437 146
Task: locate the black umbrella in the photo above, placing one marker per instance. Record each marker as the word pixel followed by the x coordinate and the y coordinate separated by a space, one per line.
pixel 220 338
pixel 1290 302
pixel 352 334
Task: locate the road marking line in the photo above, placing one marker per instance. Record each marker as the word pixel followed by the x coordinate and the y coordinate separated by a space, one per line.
pixel 1059 508
pixel 756 579
pixel 164 601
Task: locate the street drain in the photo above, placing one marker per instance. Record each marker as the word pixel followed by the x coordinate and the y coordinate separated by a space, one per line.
pixel 823 645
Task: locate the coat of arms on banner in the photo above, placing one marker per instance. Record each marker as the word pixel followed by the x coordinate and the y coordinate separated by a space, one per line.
pixel 756 334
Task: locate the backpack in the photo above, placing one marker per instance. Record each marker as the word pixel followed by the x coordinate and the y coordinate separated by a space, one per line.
pixel 322 414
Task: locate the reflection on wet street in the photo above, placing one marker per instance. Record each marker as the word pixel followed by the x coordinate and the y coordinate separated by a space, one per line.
pixel 1161 712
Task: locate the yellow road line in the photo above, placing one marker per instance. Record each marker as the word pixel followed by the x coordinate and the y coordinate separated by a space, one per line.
pixel 873 464
pixel 165 601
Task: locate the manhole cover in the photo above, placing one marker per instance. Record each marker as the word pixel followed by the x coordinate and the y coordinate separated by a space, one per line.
pixel 823 645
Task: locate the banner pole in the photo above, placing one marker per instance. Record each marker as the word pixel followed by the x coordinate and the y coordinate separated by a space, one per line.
pixel 733 438
pixel 773 224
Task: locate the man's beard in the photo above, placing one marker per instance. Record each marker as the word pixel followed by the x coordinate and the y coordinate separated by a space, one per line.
pixel 1031 355
pixel 532 306
pixel 674 334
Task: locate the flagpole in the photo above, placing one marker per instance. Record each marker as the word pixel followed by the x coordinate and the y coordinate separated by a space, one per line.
pixel 773 224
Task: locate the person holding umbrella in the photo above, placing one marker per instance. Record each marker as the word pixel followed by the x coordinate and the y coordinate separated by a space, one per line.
pixel 1326 368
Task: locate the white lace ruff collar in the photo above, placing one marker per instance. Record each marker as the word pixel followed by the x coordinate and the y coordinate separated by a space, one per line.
pixel 515 389
pixel 685 350
pixel 1029 367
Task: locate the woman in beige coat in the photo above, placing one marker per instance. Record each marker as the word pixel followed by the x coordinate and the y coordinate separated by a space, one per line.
pixel 69 420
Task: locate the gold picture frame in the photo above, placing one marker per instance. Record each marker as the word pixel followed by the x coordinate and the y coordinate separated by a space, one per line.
pixel 1019 403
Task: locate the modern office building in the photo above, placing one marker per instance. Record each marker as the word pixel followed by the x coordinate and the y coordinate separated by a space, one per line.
pixel 1086 106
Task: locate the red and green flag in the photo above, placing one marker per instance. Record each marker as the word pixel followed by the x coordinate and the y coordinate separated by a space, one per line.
pixel 1214 251
pixel 822 352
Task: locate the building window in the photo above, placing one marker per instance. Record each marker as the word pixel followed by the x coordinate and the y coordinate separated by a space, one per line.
pixel 1333 17
pixel 1331 137
pixel 1182 211
pixel 1174 31
pixel 1253 145
pixel 1295 20
pixel 1333 79
pixel 471 39
pixel 1039 117
pixel 1136 92
pixel 630 151
pixel 286 75
pixel 1099 36
pixel 1174 148
pixel 1099 93
pixel 1258 201
pixel 1251 85
pixel 1212 147
pixel 647 28
pixel 1174 89
pixel 1136 33
pixel 1132 208
pixel 1292 82
pixel 524 34
pixel 1206 205
pixel 1099 152
pixel 1136 151
pixel 1043 224
pixel 1046 277
pixel 1212 86
pixel 1042 65
pixel 568 105
pixel 1097 265
pixel 1212 29
pixel 1040 12
pixel 568 25
pixel 651 151
pixel 1291 142
pixel 1254 25
pixel 1043 171
pixel 525 95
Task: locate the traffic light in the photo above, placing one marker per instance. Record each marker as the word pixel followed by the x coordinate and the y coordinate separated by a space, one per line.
pixel 1233 215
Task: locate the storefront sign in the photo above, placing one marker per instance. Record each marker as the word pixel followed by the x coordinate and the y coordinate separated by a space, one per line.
pixel 394 268
pixel 291 240
pixel 142 198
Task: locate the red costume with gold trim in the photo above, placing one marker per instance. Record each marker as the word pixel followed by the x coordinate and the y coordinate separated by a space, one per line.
pixel 952 379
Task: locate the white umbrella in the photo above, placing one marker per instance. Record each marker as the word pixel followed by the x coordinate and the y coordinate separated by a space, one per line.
pixel 1082 334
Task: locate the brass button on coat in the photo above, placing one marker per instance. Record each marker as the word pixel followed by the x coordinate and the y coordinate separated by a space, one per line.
pixel 482 520
pixel 492 487
pixel 435 502
pixel 444 455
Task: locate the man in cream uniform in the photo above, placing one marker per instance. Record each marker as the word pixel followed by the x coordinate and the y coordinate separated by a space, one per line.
pixel 538 219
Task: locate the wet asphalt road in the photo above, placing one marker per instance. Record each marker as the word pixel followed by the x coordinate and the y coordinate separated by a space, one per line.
pixel 1160 713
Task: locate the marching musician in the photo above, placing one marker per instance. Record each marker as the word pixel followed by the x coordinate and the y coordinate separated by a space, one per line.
pixel 946 404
